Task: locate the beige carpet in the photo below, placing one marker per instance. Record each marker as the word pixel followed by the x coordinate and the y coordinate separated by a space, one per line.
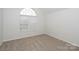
pixel 37 43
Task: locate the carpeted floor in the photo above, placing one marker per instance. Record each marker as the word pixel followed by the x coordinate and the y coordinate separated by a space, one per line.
pixel 38 43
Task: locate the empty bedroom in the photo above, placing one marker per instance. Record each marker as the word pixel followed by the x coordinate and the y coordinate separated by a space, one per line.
pixel 39 29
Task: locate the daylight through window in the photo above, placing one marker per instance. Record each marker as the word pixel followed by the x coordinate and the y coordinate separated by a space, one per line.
pixel 28 11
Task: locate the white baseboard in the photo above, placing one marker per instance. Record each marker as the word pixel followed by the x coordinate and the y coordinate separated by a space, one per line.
pixel 40 34
pixel 22 37
pixel 63 40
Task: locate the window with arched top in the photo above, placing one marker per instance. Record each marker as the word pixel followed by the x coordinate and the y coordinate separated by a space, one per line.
pixel 28 12
pixel 25 18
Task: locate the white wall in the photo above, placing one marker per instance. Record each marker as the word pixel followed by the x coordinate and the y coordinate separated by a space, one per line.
pixel 12 27
pixel 64 25
pixel 0 26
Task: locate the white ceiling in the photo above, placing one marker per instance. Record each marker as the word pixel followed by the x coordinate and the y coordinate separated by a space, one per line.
pixel 49 10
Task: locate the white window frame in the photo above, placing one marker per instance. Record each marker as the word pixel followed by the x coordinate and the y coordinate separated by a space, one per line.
pixel 28 12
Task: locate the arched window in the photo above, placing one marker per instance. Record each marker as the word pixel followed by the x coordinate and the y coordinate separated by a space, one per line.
pixel 28 11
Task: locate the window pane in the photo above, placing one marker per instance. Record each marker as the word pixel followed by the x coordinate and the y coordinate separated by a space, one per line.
pixel 28 11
